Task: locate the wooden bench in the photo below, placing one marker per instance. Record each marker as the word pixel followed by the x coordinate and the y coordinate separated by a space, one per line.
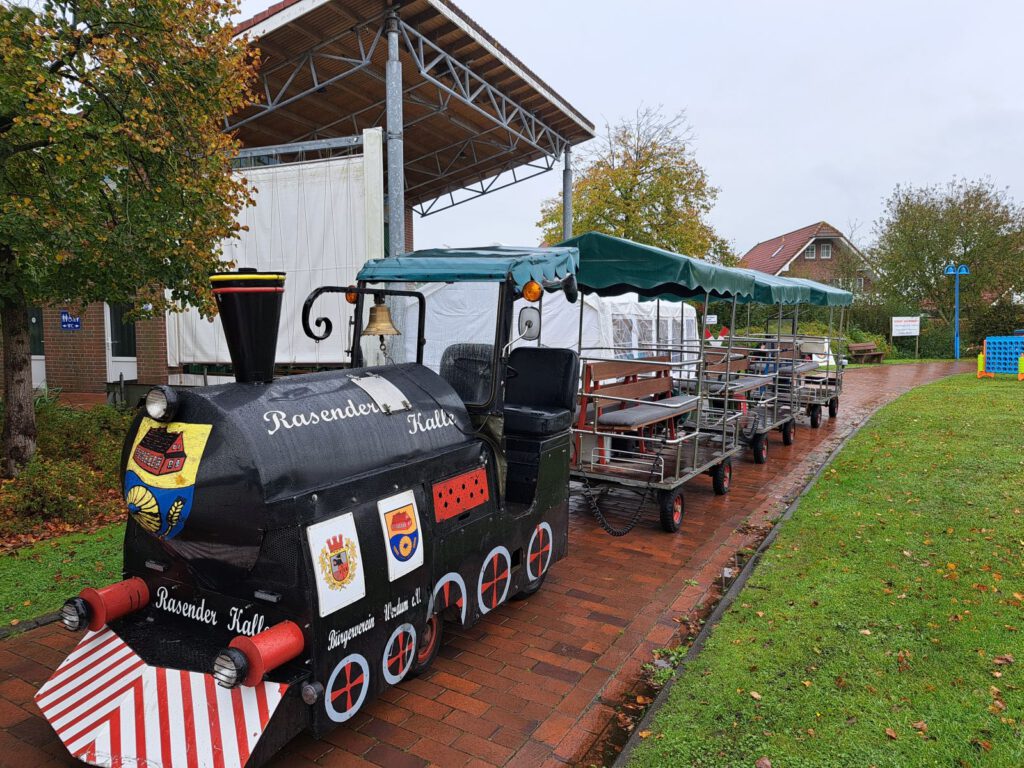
pixel 649 380
pixel 866 352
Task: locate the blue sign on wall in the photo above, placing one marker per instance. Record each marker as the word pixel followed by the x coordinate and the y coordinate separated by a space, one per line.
pixel 69 322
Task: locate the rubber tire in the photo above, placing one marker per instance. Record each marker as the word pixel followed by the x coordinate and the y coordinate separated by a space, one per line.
pixel 789 432
pixel 759 445
pixel 815 413
pixel 672 507
pixel 721 477
pixel 833 407
pixel 425 655
pixel 530 588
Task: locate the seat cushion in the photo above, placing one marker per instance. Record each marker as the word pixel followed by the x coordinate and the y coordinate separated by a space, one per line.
pixel 534 420
pixel 639 415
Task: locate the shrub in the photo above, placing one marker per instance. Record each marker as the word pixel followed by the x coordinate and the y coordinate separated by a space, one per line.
pixel 999 319
pixel 937 339
pixel 93 437
pixel 58 489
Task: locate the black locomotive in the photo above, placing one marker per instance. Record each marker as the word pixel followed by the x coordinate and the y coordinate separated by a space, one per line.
pixel 294 545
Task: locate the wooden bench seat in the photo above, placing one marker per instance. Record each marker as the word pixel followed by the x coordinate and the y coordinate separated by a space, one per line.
pixel 865 352
pixel 648 380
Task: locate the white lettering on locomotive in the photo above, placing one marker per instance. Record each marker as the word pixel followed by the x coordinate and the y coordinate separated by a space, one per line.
pixel 437 420
pixel 196 611
pixel 401 605
pixel 340 638
pixel 251 626
pixel 278 419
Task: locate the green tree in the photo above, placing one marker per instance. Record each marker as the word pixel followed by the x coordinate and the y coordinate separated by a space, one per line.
pixel 115 178
pixel 964 222
pixel 641 181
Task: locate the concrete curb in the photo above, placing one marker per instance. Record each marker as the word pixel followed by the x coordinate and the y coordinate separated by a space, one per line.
pixel 25 626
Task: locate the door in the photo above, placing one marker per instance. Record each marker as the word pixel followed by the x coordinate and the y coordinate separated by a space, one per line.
pixel 121 359
pixel 35 343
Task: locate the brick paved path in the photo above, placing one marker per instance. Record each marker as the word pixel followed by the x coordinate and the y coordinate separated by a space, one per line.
pixel 537 681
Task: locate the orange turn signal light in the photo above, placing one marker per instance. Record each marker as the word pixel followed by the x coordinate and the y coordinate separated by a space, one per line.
pixel 351 297
pixel 532 291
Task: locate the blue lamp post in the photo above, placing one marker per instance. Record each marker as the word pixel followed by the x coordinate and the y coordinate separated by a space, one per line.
pixel 956 271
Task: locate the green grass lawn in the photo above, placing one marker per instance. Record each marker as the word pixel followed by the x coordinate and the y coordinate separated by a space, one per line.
pixel 38 579
pixel 885 626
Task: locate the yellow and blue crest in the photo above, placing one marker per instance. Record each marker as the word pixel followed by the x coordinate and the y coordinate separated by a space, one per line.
pixel 160 478
pixel 403 532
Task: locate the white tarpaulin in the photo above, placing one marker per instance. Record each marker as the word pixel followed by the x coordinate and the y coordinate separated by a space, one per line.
pixel 467 312
pixel 312 221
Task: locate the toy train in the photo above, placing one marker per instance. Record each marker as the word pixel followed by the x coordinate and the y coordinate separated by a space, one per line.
pixel 293 545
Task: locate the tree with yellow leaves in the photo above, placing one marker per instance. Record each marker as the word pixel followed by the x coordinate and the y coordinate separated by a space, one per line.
pixel 641 181
pixel 115 176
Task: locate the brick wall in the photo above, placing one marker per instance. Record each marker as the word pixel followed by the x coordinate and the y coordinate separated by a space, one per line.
pixel 76 361
pixel 408 230
pixel 843 264
pixel 151 350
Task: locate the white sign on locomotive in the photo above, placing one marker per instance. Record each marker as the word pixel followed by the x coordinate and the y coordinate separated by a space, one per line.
pixel 294 545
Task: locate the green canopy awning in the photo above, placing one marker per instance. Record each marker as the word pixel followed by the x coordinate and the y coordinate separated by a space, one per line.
pixel 455 265
pixel 772 289
pixel 822 295
pixel 610 266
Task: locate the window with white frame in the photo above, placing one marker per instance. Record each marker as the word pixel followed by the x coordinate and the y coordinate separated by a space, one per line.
pixel 809 253
pixel 826 251
pixel 860 283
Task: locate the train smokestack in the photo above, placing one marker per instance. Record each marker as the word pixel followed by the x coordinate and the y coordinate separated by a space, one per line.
pixel 250 311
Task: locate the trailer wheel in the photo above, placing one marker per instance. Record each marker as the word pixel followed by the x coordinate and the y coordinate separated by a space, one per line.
pixel 530 588
pixel 789 432
pixel 721 477
pixel 759 445
pixel 429 643
pixel 672 509
pixel 833 407
pixel 814 412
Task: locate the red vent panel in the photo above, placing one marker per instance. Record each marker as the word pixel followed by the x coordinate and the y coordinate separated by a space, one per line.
pixel 466 491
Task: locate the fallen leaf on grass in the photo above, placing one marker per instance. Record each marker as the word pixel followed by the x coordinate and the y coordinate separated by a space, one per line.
pixel 891 734
pixel 1006 658
pixel 643 700
pixel 920 725
pixel 865 632
pixel 15 622
pixel 984 746
pixel 644 734
pixel 807 683
pixel 763 762
pixel 755 695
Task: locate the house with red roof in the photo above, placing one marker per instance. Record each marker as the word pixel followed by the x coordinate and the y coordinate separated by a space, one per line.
pixel 819 252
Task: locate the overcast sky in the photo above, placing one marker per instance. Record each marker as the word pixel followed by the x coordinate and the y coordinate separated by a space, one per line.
pixel 801 111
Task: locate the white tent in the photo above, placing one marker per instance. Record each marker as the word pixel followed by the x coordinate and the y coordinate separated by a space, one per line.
pixel 465 313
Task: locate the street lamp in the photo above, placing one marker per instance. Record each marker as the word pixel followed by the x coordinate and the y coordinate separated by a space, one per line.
pixel 956 271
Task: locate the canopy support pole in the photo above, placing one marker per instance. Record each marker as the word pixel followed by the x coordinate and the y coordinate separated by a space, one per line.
pixel 396 149
pixel 567 195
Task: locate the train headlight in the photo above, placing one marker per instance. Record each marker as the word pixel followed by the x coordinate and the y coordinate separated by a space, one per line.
pixel 230 668
pixel 161 403
pixel 75 614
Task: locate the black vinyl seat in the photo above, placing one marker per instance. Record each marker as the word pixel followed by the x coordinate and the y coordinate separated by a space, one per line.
pixel 540 396
pixel 467 367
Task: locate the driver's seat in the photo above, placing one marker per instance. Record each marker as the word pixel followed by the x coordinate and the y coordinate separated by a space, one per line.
pixel 540 396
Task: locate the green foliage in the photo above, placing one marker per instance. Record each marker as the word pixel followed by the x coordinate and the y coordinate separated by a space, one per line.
pixel 115 178
pixel 999 319
pixel 888 601
pixel 37 579
pixel 55 489
pixel 641 182
pixel 965 222
pixel 74 476
pixel 937 340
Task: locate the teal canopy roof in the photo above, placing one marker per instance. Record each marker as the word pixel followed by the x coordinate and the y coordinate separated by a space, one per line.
pixel 610 266
pixel 824 295
pixel 772 289
pixel 454 265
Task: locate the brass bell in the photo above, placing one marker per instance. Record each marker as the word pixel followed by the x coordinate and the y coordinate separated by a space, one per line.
pixel 380 322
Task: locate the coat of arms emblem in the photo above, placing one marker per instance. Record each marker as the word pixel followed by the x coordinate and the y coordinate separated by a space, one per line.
pixel 338 561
